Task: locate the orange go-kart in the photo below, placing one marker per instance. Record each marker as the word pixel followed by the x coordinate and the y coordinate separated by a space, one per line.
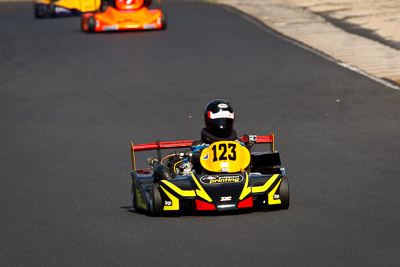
pixel 124 15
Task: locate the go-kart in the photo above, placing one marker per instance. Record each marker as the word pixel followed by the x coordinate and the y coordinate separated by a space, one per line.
pixel 56 8
pixel 124 15
pixel 230 178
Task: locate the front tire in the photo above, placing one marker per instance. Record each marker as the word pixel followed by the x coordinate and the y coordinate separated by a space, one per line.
pixel 52 10
pixel 156 201
pixel 164 21
pixel 284 193
pixel 91 23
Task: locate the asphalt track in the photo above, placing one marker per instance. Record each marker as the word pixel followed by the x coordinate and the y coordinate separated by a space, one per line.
pixel 70 103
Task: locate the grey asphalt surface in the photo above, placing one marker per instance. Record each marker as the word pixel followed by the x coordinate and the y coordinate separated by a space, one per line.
pixel 70 103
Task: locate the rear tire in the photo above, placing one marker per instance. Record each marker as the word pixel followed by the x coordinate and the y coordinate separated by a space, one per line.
pixel 133 197
pixel 284 193
pixel 39 11
pixel 147 2
pixel 156 205
pixel 105 4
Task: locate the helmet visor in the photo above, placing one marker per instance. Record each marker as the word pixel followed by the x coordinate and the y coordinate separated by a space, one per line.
pixel 222 127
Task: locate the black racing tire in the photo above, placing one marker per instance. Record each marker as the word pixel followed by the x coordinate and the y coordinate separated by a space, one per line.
pixel 133 197
pixel 106 4
pixel 147 2
pixel 156 201
pixel 82 29
pixel 164 21
pixel 52 10
pixel 39 11
pixel 91 24
pixel 284 193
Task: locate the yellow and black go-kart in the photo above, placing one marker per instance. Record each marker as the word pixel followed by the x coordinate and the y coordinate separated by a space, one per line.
pixel 230 178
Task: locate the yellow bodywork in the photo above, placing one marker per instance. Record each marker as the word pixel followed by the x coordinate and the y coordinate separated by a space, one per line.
pixel 174 201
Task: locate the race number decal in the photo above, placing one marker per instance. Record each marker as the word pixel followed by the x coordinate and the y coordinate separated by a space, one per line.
pixel 225 156
pixel 129 4
pixel 222 150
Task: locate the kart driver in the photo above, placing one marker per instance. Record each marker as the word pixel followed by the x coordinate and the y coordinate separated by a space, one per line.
pixel 219 119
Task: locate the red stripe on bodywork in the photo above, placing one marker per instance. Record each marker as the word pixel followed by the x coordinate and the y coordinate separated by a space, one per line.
pixel 201 205
pixel 247 203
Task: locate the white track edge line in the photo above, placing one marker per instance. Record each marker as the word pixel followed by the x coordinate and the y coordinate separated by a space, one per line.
pixel 281 36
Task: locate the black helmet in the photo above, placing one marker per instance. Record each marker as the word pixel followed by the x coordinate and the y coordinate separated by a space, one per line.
pixel 219 118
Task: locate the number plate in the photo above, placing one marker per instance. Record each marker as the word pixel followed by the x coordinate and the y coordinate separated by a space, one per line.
pixel 225 156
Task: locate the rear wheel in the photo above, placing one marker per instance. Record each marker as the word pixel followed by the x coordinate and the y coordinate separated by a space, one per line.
pixel 156 201
pixel 147 2
pixel 284 193
pixel 40 11
pixel 105 4
pixel 133 198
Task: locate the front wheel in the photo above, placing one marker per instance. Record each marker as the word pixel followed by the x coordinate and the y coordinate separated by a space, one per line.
pixel 284 193
pixel 156 201
pixel 91 24
pixel 164 21
pixel 52 10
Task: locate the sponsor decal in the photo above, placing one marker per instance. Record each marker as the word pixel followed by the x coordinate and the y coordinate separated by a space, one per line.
pixel 139 199
pixel 206 157
pixel 220 114
pixel 229 198
pixel 224 166
pixel 167 203
pixel 110 28
pixel 222 105
pixel 61 10
pixel 221 179
pixel 149 26
pixel 209 177
pixel 276 196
